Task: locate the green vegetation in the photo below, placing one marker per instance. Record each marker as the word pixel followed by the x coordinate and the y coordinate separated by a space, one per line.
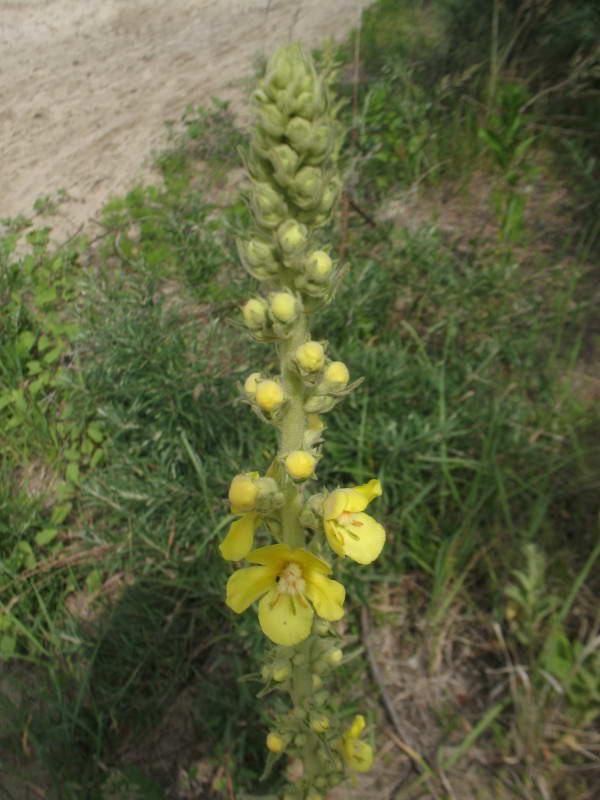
pixel 471 318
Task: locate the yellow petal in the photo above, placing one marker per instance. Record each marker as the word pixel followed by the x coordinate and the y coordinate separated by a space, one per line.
pixel 278 555
pixel 360 496
pixel 247 585
pixel 286 620
pixel 335 504
pixel 357 727
pixel 238 541
pixel 326 595
pixel 335 537
pixel 359 755
pixel 363 538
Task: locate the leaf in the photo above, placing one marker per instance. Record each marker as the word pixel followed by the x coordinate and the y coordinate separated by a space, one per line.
pixel 46 536
pixel 72 473
pixel 94 432
pixel 24 342
pixel 54 354
pixel 60 513
pixel 33 368
pixel 44 296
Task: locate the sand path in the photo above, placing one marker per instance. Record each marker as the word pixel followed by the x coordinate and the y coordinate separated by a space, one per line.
pixel 86 85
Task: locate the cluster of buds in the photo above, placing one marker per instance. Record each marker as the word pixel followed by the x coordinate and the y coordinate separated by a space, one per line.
pixel 295 183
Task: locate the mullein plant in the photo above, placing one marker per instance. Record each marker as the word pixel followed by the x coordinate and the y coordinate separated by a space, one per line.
pixel 295 183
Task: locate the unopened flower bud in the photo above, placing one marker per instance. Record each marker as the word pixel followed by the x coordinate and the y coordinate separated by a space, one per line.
pixel 318 266
pixel 255 313
pixel 336 376
pixel 284 161
pixel 291 235
pixel 272 121
pixel 269 395
pixel 300 465
pixel 299 134
pixel 300 740
pixel 275 743
pixel 267 206
pixel 335 656
pixel 308 186
pixel 284 306
pixel 281 671
pixel 265 673
pixel 319 724
pixel 320 698
pixel 314 422
pixel 321 626
pixel 251 382
pixel 243 493
pixel 310 356
pixel 317 682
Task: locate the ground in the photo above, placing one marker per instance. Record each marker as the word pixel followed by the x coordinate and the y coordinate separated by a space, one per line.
pixel 85 87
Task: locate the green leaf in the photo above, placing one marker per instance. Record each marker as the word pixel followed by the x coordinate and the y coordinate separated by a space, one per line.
pixel 24 342
pixel 54 354
pixel 96 458
pixel 60 513
pixel 72 454
pixel 72 473
pixel 8 644
pixel 44 296
pixel 44 342
pixel 46 536
pixel 94 432
pixel 34 368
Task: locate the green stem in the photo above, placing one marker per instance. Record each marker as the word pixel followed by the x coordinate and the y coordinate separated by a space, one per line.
pixel 292 430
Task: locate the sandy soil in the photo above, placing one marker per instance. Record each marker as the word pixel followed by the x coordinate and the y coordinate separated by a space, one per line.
pixel 86 85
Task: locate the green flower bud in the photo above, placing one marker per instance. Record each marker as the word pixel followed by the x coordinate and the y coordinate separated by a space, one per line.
pixel 318 266
pixel 285 162
pixel 307 187
pixel 320 626
pixel 291 236
pixel 255 313
pixel 320 698
pixel 258 258
pixel 317 682
pixel 268 497
pixel 281 671
pixel 282 66
pixel 299 134
pixel 268 208
pixel 272 120
pixel 319 724
pixel 300 740
pixel 265 673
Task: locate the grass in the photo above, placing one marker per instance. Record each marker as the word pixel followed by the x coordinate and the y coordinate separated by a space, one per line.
pixel 121 430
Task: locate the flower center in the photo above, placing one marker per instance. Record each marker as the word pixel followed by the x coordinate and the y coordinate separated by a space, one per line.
pixel 290 580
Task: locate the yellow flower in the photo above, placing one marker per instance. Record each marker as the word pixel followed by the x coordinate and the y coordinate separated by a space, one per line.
pixel 300 464
pixel 310 356
pixel 358 754
pixel 269 395
pixel 350 532
pixel 286 580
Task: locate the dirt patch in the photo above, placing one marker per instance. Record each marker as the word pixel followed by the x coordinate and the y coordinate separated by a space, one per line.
pixel 85 88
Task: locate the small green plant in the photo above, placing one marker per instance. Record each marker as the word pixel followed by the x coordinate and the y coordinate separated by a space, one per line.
pixel 508 140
